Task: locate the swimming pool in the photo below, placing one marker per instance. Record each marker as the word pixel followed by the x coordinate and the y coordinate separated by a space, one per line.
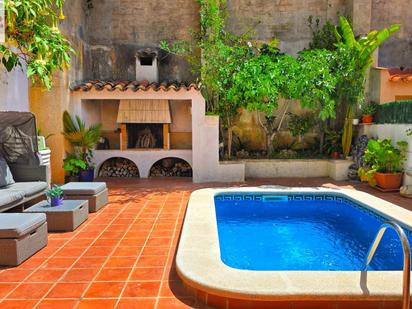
pixel 245 247
pixel 301 232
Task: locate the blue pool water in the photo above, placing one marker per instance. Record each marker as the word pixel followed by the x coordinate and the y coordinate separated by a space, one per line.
pixel 281 233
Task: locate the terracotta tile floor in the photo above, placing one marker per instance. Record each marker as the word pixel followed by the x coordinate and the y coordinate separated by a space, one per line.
pixel 123 256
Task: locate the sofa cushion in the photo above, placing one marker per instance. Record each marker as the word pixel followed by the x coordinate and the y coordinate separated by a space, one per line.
pixel 29 188
pixel 16 225
pixel 9 197
pixel 6 178
pixel 83 188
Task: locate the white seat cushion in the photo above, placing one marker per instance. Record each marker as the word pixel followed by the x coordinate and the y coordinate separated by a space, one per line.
pixel 83 188
pixel 16 225
pixel 8 197
pixel 29 188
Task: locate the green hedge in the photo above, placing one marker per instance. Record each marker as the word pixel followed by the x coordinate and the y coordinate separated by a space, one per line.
pixel 394 112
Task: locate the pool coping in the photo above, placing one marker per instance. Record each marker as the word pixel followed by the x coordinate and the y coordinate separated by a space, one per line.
pixel 199 264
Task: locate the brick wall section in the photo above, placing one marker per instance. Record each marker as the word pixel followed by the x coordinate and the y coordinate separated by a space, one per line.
pixel 396 51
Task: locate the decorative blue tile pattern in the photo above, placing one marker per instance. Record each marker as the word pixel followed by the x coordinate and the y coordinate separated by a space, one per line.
pixel 304 197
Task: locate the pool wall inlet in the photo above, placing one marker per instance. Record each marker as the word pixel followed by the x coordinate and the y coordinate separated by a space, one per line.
pixel 199 263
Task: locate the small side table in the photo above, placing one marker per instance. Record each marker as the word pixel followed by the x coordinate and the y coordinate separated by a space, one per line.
pixel 64 218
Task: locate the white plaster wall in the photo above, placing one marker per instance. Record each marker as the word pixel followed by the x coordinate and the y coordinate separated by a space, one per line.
pixel 395 132
pixel 204 156
pixel 14 90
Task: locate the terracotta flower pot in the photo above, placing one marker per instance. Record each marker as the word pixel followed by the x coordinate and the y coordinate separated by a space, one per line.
pixel 367 119
pixel 335 155
pixel 388 181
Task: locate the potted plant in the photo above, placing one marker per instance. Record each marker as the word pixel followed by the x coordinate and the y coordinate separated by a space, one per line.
pixel 368 110
pixel 54 196
pixel 386 162
pixel 333 144
pixel 84 139
pixel 73 166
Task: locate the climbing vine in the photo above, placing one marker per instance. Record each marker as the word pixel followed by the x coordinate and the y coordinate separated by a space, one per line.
pixel 33 38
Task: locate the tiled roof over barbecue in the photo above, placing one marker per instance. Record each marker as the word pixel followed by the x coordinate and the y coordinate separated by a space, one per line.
pixel 131 85
pixel 399 74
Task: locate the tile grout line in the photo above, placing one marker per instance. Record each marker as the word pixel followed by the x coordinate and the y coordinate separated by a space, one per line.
pixel 45 261
pixel 115 247
pixel 169 252
pixel 140 254
pixel 80 256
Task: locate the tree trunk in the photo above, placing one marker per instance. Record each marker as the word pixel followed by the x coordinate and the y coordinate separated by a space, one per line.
pixel 321 136
pixel 229 141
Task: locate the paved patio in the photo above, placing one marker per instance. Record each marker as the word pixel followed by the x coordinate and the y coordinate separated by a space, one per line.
pixel 123 255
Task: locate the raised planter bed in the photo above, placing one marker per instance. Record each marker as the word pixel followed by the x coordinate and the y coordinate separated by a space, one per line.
pixel 295 168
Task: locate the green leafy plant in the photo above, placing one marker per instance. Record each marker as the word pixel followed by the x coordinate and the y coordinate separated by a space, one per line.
pixel 383 157
pixel 54 191
pixel 74 165
pixel 409 132
pixel 332 141
pixel 33 38
pixel 323 37
pixel 214 55
pixel 369 109
pixel 355 58
pixel 299 125
pixel 84 139
pixel 316 82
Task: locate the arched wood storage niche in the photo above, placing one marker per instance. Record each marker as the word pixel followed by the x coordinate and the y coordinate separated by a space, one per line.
pixel 171 167
pixel 119 167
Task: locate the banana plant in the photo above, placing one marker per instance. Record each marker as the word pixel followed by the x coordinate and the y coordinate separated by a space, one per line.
pixel 361 51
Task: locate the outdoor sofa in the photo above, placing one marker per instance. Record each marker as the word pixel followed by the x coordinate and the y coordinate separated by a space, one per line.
pixel 25 183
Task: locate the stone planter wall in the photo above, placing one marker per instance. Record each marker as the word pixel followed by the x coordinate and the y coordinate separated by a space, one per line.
pixel 335 169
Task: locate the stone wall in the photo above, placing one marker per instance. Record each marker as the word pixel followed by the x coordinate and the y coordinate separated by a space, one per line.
pixel 284 20
pixel 114 30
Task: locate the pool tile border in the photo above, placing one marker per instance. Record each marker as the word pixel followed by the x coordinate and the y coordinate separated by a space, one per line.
pixel 199 265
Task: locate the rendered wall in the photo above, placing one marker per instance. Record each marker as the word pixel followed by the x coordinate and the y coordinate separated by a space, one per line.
pixel 116 29
pixel 14 93
pixel 48 106
pixel 397 50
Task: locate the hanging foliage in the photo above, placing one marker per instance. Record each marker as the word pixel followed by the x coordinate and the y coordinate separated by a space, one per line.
pixel 33 38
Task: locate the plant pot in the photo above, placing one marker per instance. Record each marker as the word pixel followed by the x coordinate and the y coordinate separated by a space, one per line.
pixel 71 178
pixel 367 119
pixel 388 181
pixel 355 121
pixel 335 155
pixel 56 201
pixel 87 175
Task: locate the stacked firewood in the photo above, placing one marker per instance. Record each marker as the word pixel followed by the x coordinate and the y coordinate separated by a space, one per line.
pixel 171 168
pixel 119 167
pixel 146 139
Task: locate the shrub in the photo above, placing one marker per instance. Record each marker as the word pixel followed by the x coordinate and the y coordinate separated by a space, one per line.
pixel 383 157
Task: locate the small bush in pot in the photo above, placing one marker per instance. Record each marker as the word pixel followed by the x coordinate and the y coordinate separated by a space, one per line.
pixel 386 162
pixel 333 145
pixel 73 166
pixel 368 110
pixel 54 196
pixel 84 140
